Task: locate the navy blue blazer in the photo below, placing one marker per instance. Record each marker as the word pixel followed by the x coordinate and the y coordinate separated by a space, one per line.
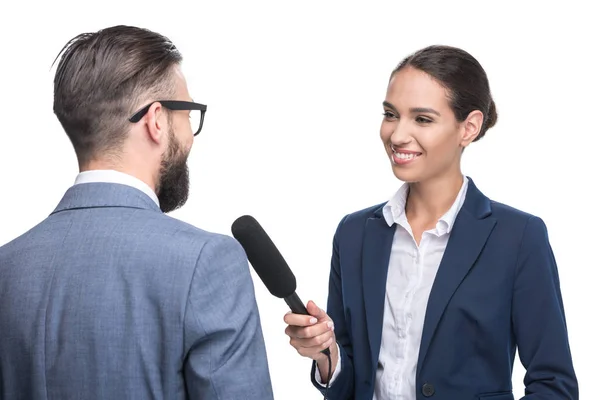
pixel 497 288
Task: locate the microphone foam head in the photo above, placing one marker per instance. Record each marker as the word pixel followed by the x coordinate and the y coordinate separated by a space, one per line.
pixel 265 258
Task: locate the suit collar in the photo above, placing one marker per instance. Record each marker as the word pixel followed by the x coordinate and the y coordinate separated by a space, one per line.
pixel 476 203
pixel 395 209
pixel 113 176
pixel 101 194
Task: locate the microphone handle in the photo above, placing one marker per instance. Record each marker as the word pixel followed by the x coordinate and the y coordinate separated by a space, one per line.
pixel 297 307
pixel 295 304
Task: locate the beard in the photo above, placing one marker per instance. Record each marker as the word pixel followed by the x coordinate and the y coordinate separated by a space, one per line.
pixel 174 180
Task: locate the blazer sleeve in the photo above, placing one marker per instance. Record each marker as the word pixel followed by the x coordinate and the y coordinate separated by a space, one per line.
pixel 342 388
pixel 226 356
pixel 539 323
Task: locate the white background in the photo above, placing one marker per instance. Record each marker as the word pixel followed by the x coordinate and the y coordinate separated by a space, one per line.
pixel 291 136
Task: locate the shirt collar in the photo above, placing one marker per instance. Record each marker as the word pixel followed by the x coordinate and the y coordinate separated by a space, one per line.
pixel 394 210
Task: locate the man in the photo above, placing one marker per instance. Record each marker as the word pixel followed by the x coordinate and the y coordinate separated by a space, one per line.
pixel 109 298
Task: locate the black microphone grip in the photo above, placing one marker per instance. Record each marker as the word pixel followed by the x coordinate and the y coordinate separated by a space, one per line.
pixel 297 307
pixel 295 304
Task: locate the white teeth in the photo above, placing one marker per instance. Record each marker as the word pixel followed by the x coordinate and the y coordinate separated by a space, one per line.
pixel 405 156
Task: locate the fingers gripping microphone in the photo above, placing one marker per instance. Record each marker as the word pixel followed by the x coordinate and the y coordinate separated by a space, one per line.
pixel 268 262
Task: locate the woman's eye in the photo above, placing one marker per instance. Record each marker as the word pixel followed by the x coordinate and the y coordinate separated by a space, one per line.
pixel 423 120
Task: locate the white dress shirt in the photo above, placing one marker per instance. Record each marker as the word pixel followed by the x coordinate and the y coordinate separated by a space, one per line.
pixel 411 272
pixel 112 176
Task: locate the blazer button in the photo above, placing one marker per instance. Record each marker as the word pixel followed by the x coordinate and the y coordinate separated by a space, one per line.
pixel 428 390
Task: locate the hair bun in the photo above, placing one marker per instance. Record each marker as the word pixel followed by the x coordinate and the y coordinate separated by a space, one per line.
pixel 492 116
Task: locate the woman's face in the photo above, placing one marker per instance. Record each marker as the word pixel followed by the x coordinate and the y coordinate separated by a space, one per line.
pixel 420 133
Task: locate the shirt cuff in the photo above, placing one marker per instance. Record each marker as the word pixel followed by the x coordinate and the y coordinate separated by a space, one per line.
pixel 336 372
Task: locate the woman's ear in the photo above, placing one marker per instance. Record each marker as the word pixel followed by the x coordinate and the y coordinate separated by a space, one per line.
pixel 471 127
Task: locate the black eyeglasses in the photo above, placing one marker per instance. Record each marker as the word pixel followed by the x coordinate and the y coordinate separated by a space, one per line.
pixel 196 112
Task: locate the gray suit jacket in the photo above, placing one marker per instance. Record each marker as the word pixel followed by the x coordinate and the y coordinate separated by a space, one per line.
pixel 108 298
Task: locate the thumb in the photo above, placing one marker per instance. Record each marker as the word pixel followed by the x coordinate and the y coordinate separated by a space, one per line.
pixel 315 311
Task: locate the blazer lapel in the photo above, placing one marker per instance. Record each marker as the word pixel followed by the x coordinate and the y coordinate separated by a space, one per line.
pixel 377 246
pixel 468 237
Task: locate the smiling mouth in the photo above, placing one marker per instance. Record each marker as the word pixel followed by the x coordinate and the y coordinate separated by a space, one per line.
pixel 404 157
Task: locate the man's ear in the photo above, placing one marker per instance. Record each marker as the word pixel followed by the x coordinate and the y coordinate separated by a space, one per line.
pixel 157 123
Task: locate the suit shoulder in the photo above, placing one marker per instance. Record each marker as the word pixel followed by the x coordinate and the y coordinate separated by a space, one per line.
pixel 516 220
pixel 178 227
pixel 15 243
pixel 504 212
pixel 357 218
pixel 176 231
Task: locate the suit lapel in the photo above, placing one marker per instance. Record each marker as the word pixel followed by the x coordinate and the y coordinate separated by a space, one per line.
pixel 468 237
pixel 377 246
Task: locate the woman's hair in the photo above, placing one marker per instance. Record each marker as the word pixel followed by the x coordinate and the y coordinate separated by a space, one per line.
pixel 463 77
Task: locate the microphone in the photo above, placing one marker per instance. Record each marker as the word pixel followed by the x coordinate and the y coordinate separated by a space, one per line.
pixel 268 263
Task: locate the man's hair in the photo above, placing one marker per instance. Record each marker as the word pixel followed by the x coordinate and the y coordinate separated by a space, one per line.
pixel 100 80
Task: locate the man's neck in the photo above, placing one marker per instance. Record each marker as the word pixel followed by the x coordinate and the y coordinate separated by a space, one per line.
pixel 136 173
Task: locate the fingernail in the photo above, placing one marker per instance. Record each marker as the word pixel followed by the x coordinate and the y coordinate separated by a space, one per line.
pixel 289 312
pixel 330 325
pixel 313 320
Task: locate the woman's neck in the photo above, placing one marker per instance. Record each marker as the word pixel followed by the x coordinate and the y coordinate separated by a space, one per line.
pixel 431 199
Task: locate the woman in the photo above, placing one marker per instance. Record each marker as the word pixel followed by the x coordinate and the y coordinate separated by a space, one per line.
pixel 431 292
